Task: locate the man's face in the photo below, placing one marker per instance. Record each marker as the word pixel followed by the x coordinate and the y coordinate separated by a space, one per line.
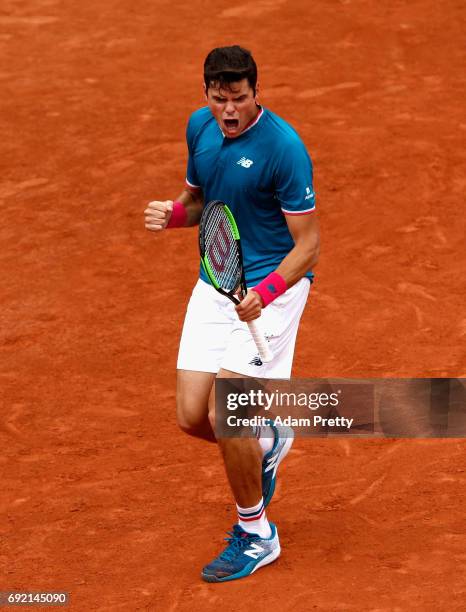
pixel 233 107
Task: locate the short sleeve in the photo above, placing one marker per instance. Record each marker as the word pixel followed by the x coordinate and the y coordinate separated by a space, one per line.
pixel 192 180
pixel 293 180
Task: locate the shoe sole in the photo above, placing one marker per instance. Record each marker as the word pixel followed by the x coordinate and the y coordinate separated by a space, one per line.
pixel 283 454
pixel 246 572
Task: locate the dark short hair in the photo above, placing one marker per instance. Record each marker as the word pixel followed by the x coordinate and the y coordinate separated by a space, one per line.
pixel 225 65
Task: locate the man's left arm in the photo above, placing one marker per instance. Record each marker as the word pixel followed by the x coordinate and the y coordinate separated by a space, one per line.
pixel 305 254
pixel 302 258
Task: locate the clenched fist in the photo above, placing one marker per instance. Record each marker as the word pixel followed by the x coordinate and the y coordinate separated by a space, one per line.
pixel 157 215
pixel 250 307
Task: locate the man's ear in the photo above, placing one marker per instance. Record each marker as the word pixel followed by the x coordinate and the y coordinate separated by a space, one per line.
pixel 205 91
pixel 257 91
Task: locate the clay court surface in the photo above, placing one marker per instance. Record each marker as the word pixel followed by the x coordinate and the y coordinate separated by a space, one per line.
pixel 101 495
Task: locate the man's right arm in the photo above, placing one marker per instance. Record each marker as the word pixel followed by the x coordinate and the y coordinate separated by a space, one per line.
pixel 186 211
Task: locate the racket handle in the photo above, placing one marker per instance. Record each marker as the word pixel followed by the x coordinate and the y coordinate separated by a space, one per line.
pixel 262 345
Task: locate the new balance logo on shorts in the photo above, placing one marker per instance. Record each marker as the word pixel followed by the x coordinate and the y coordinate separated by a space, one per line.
pixel 246 163
pixel 256 361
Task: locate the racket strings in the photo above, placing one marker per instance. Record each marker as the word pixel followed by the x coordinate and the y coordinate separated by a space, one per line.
pixel 221 250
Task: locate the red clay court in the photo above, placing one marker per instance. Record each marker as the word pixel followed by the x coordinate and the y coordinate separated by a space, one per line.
pixel 102 496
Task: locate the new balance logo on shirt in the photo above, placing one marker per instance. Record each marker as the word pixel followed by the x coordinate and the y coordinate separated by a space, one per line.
pixel 246 163
pixel 309 194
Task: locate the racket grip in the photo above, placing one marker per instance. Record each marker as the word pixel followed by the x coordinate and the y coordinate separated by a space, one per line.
pixel 262 345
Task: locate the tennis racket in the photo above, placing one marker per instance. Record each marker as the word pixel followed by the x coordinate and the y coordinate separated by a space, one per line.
pixel 222 260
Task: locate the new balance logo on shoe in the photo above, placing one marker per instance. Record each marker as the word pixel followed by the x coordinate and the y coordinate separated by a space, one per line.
pixel 254 551
pixel 272 462
pixel 256 361
pixel 246 163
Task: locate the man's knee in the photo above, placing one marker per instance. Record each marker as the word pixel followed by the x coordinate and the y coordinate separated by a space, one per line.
pixel 192 413
pixel 189 414
pixel 192 394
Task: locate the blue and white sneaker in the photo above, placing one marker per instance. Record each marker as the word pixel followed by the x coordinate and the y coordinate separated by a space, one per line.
pixel 283 439
pixel 245 553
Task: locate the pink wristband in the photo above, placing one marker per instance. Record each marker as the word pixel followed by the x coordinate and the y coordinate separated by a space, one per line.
pixel 271 287
pixel 178 216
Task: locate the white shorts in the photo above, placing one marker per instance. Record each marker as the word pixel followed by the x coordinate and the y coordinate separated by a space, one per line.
pixel 213 337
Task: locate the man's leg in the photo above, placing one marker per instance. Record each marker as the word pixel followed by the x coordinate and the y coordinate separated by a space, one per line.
pixel 251 467
pixel 242 458
pixel 206 330
pixel 196 416
pixel 193 390
pixel 253 541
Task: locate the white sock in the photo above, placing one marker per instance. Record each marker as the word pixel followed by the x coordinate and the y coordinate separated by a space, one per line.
pixel 254 520
pixel 266 438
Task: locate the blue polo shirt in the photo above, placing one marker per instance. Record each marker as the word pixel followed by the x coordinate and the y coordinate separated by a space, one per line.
pixel 262 175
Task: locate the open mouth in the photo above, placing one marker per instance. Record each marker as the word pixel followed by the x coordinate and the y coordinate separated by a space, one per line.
pixel 231 124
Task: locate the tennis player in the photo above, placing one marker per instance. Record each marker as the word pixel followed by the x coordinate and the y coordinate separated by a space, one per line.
pixel 248 157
